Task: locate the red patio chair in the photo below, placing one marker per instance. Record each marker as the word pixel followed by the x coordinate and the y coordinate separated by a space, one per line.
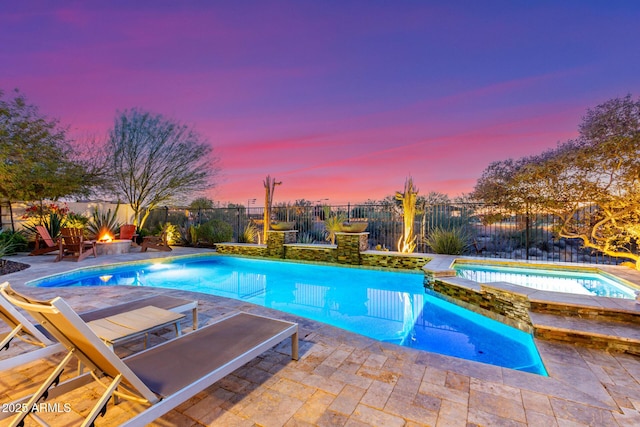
pixel 44 242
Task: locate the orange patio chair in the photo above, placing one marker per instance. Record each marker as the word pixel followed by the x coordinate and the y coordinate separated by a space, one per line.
pixel 73 245
pixel 128 232
pixel 44 242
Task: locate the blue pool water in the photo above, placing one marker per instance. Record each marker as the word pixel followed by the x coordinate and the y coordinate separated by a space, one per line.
pixel 387 306
pixel 559 280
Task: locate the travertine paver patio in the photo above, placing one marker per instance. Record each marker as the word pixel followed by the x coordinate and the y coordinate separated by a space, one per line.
pixel 346 379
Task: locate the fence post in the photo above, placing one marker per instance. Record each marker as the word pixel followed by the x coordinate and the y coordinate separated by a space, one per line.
pixel 238 220
pixel 526 234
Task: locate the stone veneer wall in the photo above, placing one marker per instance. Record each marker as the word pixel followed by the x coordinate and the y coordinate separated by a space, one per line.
pixel 393 260
pixel 276 241
pixel 317 253
pixel 498 304
pixel 242 249
pixel 349 247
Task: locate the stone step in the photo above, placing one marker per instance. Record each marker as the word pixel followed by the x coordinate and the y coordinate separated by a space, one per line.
pixel 595 333
pixel 612 309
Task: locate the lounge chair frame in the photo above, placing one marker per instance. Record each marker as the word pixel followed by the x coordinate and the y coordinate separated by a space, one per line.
pixel 159 243
pixel 158 377
pixel 23 329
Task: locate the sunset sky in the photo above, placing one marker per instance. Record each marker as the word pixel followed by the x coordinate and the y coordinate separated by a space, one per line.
pixel 340 100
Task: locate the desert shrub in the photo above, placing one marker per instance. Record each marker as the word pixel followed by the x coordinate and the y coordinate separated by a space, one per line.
pixel 173 233
pixel 75 220
pixel 215 231
pixel 449 241
pixel 188 234
pixel 249 234
pixel 11 242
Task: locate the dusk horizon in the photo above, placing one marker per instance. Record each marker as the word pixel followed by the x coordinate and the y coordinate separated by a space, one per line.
pixel 340 101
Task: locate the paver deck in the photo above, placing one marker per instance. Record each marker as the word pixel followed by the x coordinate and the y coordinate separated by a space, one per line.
pixel 347 379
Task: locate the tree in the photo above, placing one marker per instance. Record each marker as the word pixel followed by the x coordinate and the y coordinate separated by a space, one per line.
pixel 201 203
pixel 155 160
pixel 36 160
pixel 592 183
pixel 269 188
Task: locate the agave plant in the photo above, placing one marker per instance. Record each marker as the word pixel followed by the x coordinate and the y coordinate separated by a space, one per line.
pixel 102 223
pixel 306 238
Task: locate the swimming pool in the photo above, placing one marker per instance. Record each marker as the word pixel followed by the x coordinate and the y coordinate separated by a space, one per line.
pixel 580 282
pixel 387 306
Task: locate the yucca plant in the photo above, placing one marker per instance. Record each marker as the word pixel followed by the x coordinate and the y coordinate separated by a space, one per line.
pixel 102 223
pixel 332 225
pixel 449 241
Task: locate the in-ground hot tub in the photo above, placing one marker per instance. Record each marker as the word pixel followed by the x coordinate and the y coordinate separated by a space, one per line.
pixel 546 277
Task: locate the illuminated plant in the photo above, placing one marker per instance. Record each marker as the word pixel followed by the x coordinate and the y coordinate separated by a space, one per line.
pixel 103 224
pixel 332 225
pixel 407 242
pixel 249 234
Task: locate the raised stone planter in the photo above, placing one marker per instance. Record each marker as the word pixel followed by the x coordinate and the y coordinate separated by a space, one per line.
pixel 246 249
pixel 306 252
pixel 349 247
pixel 393 260
pixel 276 241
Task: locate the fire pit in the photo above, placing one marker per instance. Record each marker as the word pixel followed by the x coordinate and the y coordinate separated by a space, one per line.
pixel 107 245
pixel 113 247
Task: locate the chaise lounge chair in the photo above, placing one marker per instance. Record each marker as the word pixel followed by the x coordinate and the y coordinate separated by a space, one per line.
pixel 26 331
pixel 44 242
pixel 161 377
pixel 73 245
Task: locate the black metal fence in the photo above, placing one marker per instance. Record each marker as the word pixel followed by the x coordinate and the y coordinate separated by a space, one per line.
pixel 487 233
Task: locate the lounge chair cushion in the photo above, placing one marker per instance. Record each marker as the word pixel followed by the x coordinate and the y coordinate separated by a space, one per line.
pixel 171 367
